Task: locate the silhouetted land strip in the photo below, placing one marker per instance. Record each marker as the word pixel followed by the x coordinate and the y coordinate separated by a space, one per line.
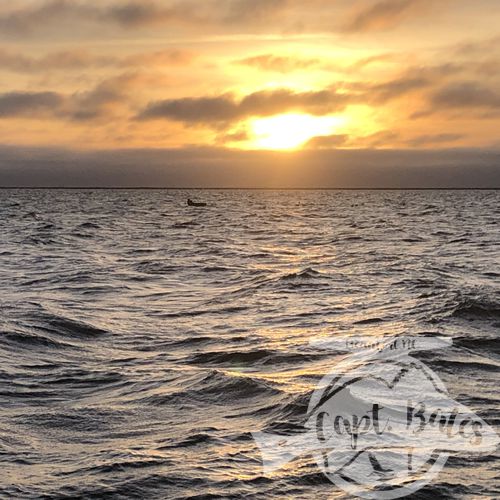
pixel 144 188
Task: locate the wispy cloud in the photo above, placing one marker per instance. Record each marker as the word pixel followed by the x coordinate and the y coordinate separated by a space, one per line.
pixel 97 103
pixel 467 95
pixel 431 140
pixel 167 57
pixel 24 20
pixel 384 15
pixel 281 64
pixel 61 60
pixel 100 101
pixel 327 142
pixel 383 92
pixel 15 104
pixel 135 14
pixel 226 108
pixel 472 96
pixel 82 59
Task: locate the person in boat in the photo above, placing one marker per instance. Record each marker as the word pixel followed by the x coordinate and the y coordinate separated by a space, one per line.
pixel 191 203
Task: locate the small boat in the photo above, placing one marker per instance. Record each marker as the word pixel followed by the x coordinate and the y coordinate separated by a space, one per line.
pixel 192 203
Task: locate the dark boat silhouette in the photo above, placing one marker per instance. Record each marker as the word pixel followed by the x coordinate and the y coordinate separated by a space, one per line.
pixel 192 203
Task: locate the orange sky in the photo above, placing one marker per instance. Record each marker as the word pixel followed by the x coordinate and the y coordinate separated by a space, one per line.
pixel 250 74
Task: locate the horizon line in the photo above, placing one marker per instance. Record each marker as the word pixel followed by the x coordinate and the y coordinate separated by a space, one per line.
pixel 199 188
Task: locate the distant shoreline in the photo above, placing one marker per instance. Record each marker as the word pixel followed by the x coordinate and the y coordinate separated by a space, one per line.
pixel 143 188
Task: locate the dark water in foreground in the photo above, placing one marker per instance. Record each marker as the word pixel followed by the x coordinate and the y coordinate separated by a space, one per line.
pixel 143 341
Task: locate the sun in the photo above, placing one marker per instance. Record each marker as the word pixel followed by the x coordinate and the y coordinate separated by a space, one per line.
pixel 290 131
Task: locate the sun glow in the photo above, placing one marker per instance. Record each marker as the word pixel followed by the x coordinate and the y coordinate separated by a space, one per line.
pixel 291 131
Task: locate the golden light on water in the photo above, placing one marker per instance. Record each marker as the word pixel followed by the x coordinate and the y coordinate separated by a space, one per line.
pixel 290 131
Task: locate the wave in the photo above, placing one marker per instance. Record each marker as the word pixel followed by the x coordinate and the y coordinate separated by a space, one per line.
pixel 259 357
pixel 155 267
pixel 491 274
pixel 192 313
pixel 68 327
pixel 191 342
pixel 215 269
pixel 76 420
pixel 31 215
pixel 48 226
pixel 454 366
pixel 46 329
pixel 184 225
pixel 83 236
pixel 34 340
pixel 470 307
pixel 369 321
pixel 194 440
pixel 353 238
pixel 85 378
pixel 119 466
pixel 444 491
pixel 216 388
pixel 264 280
pixel 38 241
pixel 305 274
pixel 297 406
pixel 489 345
pixel 463 305
pixel 412 239
pixel 89 225
pixel 305 279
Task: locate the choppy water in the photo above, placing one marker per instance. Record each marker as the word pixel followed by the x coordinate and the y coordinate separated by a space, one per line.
pixel 143 341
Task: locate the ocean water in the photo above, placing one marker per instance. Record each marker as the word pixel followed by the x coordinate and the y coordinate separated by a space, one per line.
pixel 143 341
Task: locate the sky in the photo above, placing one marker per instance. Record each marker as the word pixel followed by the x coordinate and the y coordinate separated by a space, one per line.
pixel 291 93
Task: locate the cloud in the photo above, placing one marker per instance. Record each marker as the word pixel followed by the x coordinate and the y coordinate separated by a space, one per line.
pixel 101 100
pixel 240 135
pixel 207 16
pixel 14 104
pixel 82 59
pixel 136 14
pixel 26 20
pixel 169 57
pixel 225 108
pixel 381 93
pixel 132 14
pixel 383 15
pixel 430 140
pixel 96 103
pixel 386 91
pixel 327 141
pixel 139 13
pixel 469 94
pixel 189 110
pixel 61 60
pixel 281 64
pixel 478 47
pixel 380 139
pixel 254 11
pixel 367 61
